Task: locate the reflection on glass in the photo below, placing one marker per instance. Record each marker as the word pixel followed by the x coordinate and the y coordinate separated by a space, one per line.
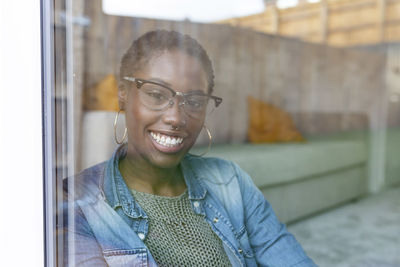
pixel 305 125
pixel 152 203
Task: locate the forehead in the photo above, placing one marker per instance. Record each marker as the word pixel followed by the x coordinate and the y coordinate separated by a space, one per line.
pixel 176 68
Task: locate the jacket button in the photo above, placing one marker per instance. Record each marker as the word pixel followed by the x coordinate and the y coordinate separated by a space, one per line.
pixel 196 204
pixel 141 236
pixel 240 250
pixel 215 220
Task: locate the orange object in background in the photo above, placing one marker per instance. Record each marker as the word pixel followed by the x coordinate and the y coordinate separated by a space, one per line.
pixel 103 96
pixel 269 124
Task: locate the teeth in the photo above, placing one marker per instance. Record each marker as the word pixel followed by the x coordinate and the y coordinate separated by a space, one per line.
pixel 166 140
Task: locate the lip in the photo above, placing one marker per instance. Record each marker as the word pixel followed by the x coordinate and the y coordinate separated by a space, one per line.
pixel 165 149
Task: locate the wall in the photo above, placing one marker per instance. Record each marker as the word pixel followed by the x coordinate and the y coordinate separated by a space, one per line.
pixel 391 133
pixel 296 76
pixel 392 54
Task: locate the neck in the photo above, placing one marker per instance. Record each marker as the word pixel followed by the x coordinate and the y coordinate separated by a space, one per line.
pixel 143 177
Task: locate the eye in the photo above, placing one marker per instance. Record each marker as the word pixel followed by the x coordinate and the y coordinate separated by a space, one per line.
pixel 156 95
pixel 196 102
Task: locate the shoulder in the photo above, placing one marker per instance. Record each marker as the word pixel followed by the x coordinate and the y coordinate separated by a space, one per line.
pixel 211 162
pixel 79 189
pixel 218 171
pixel 85 183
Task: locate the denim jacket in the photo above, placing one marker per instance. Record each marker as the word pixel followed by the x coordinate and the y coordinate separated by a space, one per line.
pixel 108 227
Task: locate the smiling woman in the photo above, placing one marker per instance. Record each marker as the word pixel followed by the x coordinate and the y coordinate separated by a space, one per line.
pixel 152 203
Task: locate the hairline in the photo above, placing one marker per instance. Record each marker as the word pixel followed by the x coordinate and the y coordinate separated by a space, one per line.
pixel 145 60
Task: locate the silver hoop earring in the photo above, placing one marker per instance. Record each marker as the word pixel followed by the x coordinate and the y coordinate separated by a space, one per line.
pixel 209 142
pixel 115 130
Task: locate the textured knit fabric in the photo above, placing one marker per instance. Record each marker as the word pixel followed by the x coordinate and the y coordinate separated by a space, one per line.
pixel 177 236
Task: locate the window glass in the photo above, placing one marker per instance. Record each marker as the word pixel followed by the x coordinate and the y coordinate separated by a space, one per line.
pixel 303 98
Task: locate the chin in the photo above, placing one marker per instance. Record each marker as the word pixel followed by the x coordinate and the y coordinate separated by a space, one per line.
pixel 169 157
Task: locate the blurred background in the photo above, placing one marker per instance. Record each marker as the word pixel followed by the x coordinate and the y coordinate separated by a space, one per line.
pixel 311 106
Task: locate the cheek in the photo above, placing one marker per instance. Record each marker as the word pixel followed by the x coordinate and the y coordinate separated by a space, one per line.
pixel 196 128
pixel 135 118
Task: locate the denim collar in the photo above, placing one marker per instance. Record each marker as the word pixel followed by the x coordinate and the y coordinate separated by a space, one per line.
pixel 118 194
pixel 196 189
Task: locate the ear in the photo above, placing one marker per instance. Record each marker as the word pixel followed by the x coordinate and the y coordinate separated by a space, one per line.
pixel 122 95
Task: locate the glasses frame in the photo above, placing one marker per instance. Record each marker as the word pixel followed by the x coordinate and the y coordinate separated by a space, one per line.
pixel 140 82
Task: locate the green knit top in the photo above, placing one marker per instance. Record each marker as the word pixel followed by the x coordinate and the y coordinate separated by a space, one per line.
pixel 177 236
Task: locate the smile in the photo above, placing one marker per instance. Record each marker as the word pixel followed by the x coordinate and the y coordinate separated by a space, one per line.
pixel 166 140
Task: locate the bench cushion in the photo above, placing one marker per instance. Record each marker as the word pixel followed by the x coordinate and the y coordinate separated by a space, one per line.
pixel 273 164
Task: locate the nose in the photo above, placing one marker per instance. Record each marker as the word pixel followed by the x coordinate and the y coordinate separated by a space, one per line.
pixel 174 115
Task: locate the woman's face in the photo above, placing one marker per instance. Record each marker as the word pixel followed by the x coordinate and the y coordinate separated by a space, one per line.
pixel 147 127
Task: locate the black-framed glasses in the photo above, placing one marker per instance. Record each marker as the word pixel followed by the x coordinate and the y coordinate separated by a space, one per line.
pixel 157 96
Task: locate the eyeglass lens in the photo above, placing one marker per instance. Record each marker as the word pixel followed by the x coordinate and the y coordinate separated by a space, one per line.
pixel 156 97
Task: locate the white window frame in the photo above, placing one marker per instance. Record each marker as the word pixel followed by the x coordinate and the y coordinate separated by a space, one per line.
pixel 21 132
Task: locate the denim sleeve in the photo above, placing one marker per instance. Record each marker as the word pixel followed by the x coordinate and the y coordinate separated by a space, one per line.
pixel 80 245
pixel 272 244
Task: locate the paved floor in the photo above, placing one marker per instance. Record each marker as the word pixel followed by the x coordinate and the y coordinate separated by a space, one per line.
pixel 365 233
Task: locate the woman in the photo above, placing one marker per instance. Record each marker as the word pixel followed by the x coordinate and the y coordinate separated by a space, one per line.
pixel 153 203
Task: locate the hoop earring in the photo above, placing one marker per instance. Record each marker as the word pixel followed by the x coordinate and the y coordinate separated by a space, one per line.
pixel 115 130
pixel 209 142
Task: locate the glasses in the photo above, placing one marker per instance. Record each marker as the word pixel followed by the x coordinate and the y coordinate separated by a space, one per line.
pixel 156 96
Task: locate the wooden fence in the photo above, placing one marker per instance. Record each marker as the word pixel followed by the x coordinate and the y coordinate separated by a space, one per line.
pixel 333 22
